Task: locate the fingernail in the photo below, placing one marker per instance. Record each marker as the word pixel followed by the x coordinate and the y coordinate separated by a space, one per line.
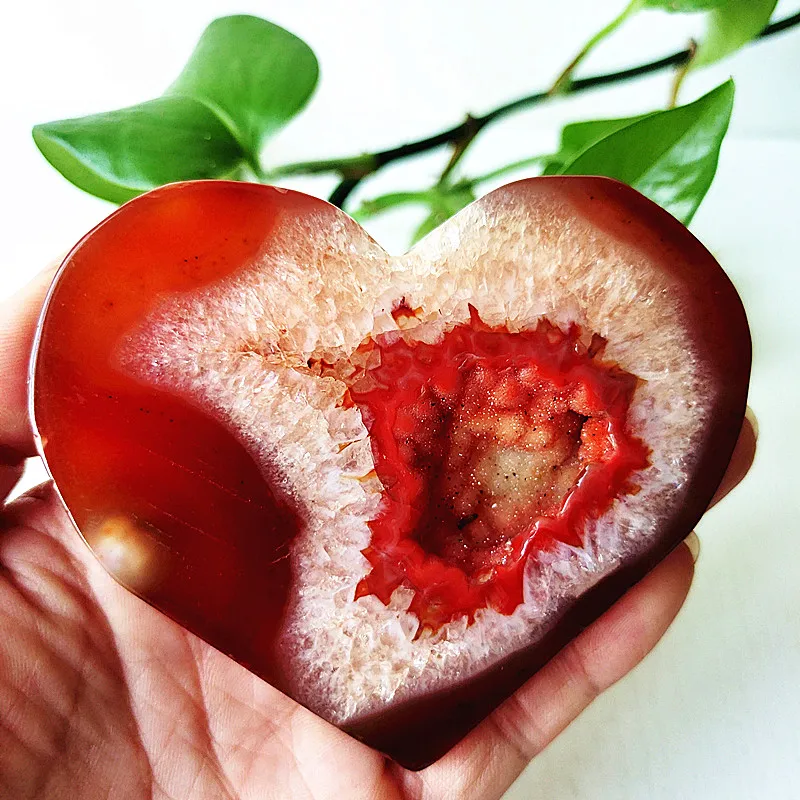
pixel 693 543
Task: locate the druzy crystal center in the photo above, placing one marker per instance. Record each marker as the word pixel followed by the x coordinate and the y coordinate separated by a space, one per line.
pixel 490 445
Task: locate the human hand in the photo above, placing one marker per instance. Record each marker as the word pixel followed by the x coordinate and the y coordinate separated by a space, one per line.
pixel 103 696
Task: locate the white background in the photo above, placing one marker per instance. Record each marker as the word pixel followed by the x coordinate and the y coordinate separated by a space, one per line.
pixel 715 711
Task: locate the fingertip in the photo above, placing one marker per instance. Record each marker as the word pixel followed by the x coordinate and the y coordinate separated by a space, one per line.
pixel 742 459
pixel 692 542
pixel 632 627
pixel 751 419
pixel 19 315
pixel 496 752
pixel 9 477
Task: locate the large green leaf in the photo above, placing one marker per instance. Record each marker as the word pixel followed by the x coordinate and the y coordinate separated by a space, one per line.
pixel 731 25
pixel 670 156
pixel 120 154
pixel 578 136
pixel 245 79
pixel 254 74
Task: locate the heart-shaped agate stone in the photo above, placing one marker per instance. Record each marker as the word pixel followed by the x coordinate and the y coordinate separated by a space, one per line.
pixel 391 487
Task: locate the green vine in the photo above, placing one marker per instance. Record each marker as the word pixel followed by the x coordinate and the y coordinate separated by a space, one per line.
pixel 208 125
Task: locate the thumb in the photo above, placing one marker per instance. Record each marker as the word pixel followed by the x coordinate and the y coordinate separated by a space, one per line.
pixel 18 318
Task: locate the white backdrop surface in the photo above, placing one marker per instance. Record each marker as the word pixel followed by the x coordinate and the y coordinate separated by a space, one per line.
pixel 714 712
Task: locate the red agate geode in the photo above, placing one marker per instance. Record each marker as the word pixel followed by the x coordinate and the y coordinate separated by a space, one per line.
pixel 391 487
pixel 478 441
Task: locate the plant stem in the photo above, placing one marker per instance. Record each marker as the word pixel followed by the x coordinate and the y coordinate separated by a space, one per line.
pixel 561 83
pixel 680 74
pixel 258 172
pixel 342 191
pixel 460 147
pixel 354 169
pixel 534 161
pixel 351 167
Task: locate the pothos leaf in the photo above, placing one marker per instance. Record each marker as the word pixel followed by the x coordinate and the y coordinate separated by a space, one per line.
pixel 578 136
pixel 670 156
pixel 385 202
pixel 514 166
pixel 255 75
pixel 120 154
pixel 731 25
pixel 442 200
pixel 245 80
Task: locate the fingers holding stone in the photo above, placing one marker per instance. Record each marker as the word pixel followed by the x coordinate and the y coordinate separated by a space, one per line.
pixel 490 759
pixel 18 317
pixel 742 458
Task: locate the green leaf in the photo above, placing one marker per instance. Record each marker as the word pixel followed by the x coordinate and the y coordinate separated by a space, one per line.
pixel 579 136
pixel 245 80
pixel 563 81
pixel 385 202
pixel 254 74
pixel 445 201
pixel 670 156
pixel 120 154
pixel 731 25
pixel 430 223
pixel 684 6
pixel 514 166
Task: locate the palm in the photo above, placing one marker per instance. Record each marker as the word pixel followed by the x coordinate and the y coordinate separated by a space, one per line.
pixel 90 675
pixel 102 696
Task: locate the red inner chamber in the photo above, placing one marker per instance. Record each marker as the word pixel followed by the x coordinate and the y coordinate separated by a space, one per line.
pixel 490 446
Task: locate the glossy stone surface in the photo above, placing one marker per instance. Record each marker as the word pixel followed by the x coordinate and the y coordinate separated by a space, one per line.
pixel 180 504
pixel 170 500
